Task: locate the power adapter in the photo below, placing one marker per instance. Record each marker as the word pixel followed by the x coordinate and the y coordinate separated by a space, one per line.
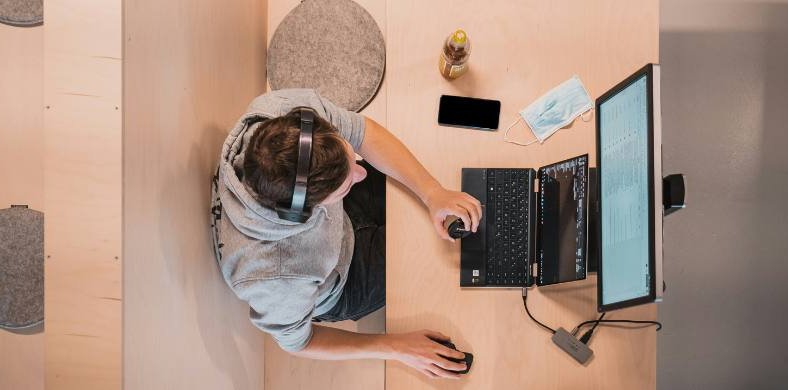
pixel 572 346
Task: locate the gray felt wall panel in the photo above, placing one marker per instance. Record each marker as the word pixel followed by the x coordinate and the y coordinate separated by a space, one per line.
pixel 21 268
pixel 22 12
pixel 332 46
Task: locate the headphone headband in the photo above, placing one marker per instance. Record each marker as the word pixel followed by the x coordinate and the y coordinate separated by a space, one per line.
pixel 296 210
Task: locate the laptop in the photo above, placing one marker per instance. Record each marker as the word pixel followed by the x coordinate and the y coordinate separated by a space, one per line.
pixel 529 233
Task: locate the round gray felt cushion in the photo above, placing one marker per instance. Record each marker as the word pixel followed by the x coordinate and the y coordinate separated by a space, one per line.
pixel 332 46
pixel 22 12
pixel 21 268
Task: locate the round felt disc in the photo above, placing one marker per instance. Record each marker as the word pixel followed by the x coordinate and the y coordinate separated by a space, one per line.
pixel 22 12
pixel 332 46
pixel 21 268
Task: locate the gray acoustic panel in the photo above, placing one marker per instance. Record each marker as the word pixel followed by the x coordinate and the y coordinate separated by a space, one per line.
pixel 21 268
pixel 22 12
pixel 332 46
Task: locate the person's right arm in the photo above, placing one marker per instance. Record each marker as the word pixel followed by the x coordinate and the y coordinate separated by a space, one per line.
pixel 414 349
pixel 283 308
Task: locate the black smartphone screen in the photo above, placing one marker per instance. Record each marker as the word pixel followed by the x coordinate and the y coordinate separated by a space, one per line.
pixel 468 112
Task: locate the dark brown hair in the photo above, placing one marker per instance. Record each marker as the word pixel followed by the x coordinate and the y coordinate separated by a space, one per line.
pixel 270 161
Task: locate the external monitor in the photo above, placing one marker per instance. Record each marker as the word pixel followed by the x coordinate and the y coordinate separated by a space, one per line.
pixel 629 191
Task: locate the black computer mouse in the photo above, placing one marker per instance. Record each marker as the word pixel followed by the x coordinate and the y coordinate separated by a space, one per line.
pixel 468 356
pixel 457 229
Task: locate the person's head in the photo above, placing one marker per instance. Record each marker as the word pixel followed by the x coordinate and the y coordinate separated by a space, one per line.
pixel 271 158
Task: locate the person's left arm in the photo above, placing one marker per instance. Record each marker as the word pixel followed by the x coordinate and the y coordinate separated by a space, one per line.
pixel 386 153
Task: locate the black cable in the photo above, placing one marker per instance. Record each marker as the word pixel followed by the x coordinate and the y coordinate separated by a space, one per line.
pixel 596 322
pixel 657 323
pixel 525 303
pixel 587 335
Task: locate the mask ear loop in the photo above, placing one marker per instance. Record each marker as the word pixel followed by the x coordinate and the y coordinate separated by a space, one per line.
pixel 582 116
pixel 506 134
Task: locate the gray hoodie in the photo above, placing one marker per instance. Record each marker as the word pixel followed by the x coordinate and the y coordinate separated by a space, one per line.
pixel 287 272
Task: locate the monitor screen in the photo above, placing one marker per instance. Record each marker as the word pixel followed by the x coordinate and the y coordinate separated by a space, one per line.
pixel 623 136
pixel 563 221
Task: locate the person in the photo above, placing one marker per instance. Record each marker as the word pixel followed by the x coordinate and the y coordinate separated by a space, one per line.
pixel 331 267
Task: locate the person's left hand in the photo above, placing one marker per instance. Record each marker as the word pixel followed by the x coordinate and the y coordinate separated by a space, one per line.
pixel 442 203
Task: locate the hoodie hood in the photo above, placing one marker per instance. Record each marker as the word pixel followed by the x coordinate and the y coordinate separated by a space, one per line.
pixel 241 207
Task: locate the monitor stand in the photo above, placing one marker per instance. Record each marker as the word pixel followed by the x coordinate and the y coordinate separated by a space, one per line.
pixel 673 193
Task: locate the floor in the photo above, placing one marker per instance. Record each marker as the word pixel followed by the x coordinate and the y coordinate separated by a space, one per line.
pixel 725 93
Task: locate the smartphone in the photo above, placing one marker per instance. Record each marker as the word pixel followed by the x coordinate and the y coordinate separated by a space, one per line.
pixel 466 112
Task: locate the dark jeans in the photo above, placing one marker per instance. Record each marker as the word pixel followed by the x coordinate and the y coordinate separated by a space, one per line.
pixel 365 289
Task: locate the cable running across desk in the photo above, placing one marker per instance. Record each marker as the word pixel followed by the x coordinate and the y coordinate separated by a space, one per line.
pixel 596 322
pixel 525 303
pixel 584 323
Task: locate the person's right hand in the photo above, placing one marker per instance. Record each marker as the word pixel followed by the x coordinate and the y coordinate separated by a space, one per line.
pixel 442 203
pixel 416 350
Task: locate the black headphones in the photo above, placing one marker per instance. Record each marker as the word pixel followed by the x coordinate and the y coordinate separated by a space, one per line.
pixel 296 210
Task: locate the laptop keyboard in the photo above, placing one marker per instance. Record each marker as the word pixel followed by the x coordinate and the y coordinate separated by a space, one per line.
pixel 508 207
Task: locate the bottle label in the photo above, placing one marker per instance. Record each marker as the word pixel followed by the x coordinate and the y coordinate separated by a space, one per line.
pixel 457 70
pixel 451 71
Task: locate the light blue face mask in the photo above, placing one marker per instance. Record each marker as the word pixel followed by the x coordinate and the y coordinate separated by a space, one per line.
pixel 554 110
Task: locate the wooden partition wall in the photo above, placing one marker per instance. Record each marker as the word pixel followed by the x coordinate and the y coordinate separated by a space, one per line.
pixel 191 67
pixel 21 178
pixel 138 96
pixel 82 193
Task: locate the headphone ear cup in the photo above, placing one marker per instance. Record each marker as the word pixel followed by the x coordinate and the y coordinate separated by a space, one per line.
pixel 288 214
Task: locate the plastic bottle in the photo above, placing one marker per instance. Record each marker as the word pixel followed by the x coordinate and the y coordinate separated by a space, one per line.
pixel 453 60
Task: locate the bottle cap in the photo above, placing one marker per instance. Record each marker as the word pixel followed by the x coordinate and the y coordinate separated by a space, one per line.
pixel 459 37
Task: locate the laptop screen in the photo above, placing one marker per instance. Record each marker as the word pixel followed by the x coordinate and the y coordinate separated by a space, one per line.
pixel 563 221
pixel 624 190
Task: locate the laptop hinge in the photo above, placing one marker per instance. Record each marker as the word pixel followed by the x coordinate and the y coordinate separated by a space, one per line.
pixel 532 270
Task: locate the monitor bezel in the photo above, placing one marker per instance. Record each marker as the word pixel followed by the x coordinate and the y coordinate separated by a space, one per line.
pixel 648 71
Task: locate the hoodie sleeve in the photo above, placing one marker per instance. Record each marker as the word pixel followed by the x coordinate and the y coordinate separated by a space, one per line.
pixel 281 307
pixel 351 125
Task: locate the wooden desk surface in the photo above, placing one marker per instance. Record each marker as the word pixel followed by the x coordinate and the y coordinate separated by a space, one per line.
pixel 520 50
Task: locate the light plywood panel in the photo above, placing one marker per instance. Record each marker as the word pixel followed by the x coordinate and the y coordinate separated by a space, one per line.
pixel 520 50
pixel 82 193
pixel 191 68
pixel 21 110
pixel 22 363
pixel 284 371
pixel 21 176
